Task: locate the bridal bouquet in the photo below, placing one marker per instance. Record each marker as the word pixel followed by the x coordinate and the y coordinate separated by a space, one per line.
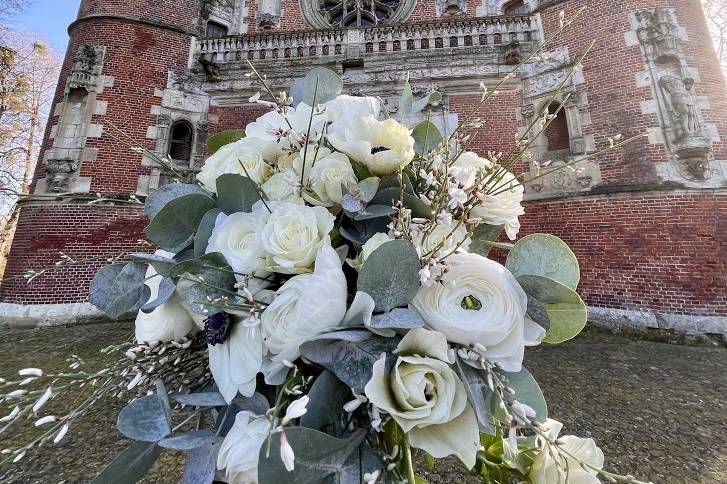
pixel 323 302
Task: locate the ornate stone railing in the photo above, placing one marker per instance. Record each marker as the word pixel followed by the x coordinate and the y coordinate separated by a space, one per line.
pixel 359 43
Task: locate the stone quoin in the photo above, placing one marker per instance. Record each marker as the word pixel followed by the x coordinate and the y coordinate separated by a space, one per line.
pixel 648 222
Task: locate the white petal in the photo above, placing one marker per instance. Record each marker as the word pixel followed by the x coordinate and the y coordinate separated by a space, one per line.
pixel 459 437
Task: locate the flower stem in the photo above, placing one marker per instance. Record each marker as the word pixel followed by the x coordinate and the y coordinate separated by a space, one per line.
pixel 408 462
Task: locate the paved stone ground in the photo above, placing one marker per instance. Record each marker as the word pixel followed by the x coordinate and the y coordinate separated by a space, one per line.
pixel 659 411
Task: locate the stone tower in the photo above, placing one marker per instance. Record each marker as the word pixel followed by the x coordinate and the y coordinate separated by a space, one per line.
pixel 648 222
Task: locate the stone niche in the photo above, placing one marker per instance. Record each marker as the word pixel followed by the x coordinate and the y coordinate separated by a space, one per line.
pixel 73 127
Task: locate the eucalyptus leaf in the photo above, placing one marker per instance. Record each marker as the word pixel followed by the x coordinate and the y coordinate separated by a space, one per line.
pixel 566 312
pixel 257 404
pixel 475 383
pixel 375 211
pixel 131 465
pixel 406 104
pixel 393 182
pixel 363 230
pixel 390 196
pixel 216 283
pixel 399 318
pixel 202 399
pixel 527 391
pixel 236 193
pixel 214 261
pixel 390 275
pixel 426 137
pixel 218 140
pixel 161 264
pixel 189 440
pixel 350 203
pixel 319 86
pixel 166 289
pixel 174 226
pixel 482 236
pixel 351 361
pixel 325 411
pixel 161 393
pixel 156 199
pixel 204 231
pixel 201 464
pixel 119 288
pixel 538 313
pixel 352 335
pixel 547 256
pixel 432 98
pixel 319 458
pixel 367 188
pixel 144 419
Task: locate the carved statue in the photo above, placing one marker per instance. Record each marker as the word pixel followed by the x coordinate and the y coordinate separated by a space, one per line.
pixel 513 53
pixel 682 106
pixel 211 69
pixel 59 174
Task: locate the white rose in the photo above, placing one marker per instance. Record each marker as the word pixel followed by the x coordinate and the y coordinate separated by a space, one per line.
pixel 251 152
pixel 240 451
pixel 237 237
pixel 443 238
pixel 503 208
pixel 546 470
pixel 287 130
pixel 344 107
pixel 329 175
pixel 423 394
pixel 306 306
pixel 167 322
pixel 368 248
pixel 292 236
pixel 480 301
pixel 384 147
pixel 282 187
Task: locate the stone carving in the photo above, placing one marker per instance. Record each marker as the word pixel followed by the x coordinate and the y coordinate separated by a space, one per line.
pixel 682 106
pixel 86 67
pixel 583 176
pixel 268 16
pixel 513 53
pixel 451 7
pixel 211 69
pixel 323 14
pixel 59 174
pixel 659 30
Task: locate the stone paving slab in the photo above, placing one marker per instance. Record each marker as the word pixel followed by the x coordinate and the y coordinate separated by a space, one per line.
pixel 658 410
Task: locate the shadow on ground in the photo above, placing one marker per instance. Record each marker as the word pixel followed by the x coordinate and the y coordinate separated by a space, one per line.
pixel 659 411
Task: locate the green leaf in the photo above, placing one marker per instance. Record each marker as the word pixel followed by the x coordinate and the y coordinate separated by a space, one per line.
pixel 144 419
pixel 390 275
pixel 566 312
pixel 166 193
pixel 201 464
pixel 166 289
pixel 131 465
pixel 399 318
pixel 527 391
pixel 426 137
pixel 547 256
pixel 188 440
pixel 319 458
pixel 119 288
pixel 216 283
pixel 351 361
pixel 325 411
pixel 431 98
pixel 174 226
pixel 218 140
pixel 200 265
pixel 202 399
pixel 475 383
pixel 374 211
pixel 160 264
pixel 406 104
pixel 389 196
pixel 482 236
pixel 236 193
pixel 204 231
pixel 320 85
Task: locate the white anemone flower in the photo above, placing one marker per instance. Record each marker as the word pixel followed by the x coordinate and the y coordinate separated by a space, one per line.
pixel 235 363
pixel 240 451
pixel 384 147
pixel 344 107
pixel 287 130
pixel 503 208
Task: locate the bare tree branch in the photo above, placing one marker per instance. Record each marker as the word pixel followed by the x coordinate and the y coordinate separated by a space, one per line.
pixel 716 13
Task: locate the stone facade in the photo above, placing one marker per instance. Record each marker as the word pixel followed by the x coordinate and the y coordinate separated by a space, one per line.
pixel 649 222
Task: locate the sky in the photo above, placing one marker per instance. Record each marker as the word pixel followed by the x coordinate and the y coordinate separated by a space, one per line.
pixel 50 19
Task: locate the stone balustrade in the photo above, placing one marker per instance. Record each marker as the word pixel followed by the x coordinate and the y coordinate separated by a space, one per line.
pixel 360 43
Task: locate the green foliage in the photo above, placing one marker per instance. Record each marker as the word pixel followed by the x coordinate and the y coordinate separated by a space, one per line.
pixel 174 226
pixel 547 256
pixel 483 237
pixel 218 140
pixel 320 85
pixel 188 440
pixel 389 196
pixel 201 464
pixel 408 105
pixel 166 289
pixel 131 465
pixel 426 137
pixel 119 288
pixel 527 391
pixel 204 231
pixel 144 419
pixel 160 264
pixel 325 412
pixel 166 193
pixel 399 318
pixel 475 383
pixel 390 275
pixel 236 193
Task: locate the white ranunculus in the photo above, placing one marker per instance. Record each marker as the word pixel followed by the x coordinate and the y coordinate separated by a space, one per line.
pixel 282 187
pixel 292 236
pixel 503 208
pixel 426 398
pixel 235 363
pixel 167 322
pixel 444 239
pixel 287 130
pixel 306 306
pixel 345 107
pixel 368 248
pixel 383 146
pixel 240 451
pixel 237 237
pixel 329 176
pixel 251 152
pixel 480 301
pixel 546 470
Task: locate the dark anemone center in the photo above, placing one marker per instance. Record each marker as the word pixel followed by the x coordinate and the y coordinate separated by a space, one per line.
pixel 217 328
pixel 378 149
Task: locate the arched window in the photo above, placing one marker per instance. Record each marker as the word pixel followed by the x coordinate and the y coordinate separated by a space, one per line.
pixel 215 29
pixel 180 141
pixel 517 7
pixel 557 134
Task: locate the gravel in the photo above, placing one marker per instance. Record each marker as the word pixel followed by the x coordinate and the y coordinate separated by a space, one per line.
pixel 658 411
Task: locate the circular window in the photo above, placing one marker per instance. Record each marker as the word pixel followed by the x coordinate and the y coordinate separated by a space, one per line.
pixel 355 13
